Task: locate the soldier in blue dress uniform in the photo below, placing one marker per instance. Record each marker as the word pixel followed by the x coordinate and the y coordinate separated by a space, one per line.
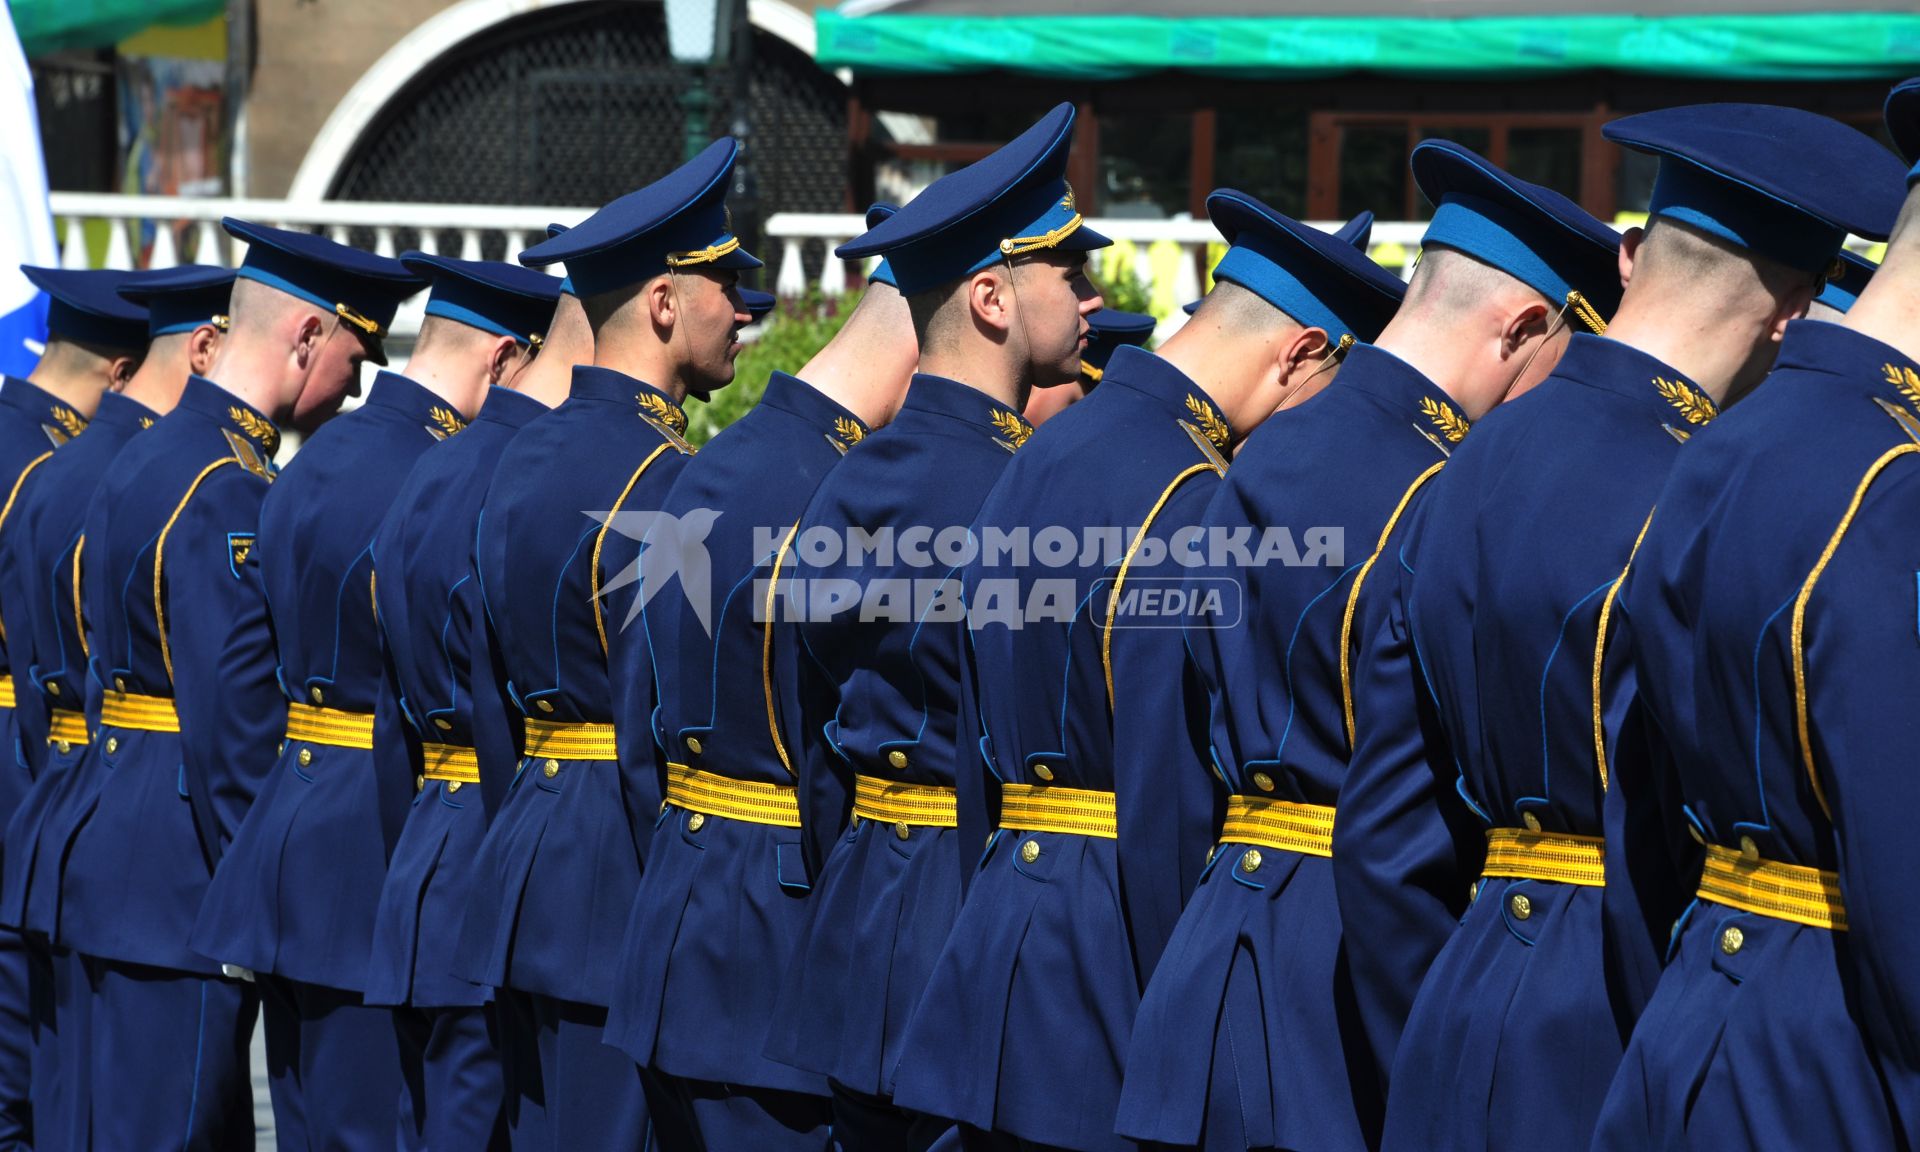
pixel 169 584
pixel 1092 839
pixel 39 560
pixel 95 342
pixel 1248 1035
pixel 1107 329
pixel 657 271
pixel 428 603
pixel 1757 816
pixel 694 1009
pixel 874 704
pixel 1508 612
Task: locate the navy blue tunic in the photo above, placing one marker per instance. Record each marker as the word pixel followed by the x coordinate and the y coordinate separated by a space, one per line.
pixel 1263 927
pixel 1028 1013
pixel 1782 1034
pixel 877 692
pixel 41 550
pixel 169 581
pixel 296 890
pixel 432 621
pixel 722 902
pixel 555 874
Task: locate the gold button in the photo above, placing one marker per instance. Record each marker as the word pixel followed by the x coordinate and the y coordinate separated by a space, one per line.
pixel 1522 907
pixel 1250 863
pixel 1042 771
pixel 854 821
pixel 1212 852
pixel 452 787
pixel 53 689
pixel 113 744
pixel 696 821
pixel 1030 851
pixel 318 696
pixel 1732 940
pixel 1263 781
pixel 693 745
pixel 664 805
pixel 119 683
pixel 1531 821
pixel 901 830
pixel 897 758
pixel 65 747
pixel 551 769
pixel 419 783
pixel 1748 849
pixel 306 757
pixel 543 705
pixel 1473 891
pixel 1697 838
pixel 442 723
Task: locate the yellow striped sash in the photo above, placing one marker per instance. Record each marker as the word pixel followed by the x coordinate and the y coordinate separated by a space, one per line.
pixel 330 726
pixel 890 801
pixel 1045 808
pixel 1282 824
pixel 6 692
pixel 1516 853
pixel 563 741
pixel 139 713
pixel 451 762
pixel 67 727
pixel 1790 892
pixel 754 801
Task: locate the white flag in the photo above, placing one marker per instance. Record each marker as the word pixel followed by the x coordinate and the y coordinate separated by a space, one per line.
pixel 26 222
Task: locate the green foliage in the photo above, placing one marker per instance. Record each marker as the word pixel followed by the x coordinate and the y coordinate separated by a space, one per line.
pixel 788 338
pixel 1121 286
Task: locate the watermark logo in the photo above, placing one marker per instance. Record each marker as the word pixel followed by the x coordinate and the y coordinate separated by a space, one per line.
pixel 670 547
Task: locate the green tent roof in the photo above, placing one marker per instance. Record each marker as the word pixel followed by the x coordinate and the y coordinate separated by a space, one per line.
pixel 1284 39
pixel 62 25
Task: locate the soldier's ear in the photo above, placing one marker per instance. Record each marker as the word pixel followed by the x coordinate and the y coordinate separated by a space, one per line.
pixel 120 370
pixel 306 339
pixel 202 343
pixel 1629 249
pixel 990 296
pixel 501 358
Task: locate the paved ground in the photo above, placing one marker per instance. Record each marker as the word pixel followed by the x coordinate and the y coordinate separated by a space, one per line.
pixel 262 1107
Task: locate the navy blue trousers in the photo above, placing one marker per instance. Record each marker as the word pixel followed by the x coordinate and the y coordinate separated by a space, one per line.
pixel 452 1096
pixel 59 1021
pixel 701 1116
pixel 333 1068
pixel 565 1089
pixel 174 1049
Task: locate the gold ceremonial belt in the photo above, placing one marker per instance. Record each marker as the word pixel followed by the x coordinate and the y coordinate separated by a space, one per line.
pixel 1282 824
pixel 1518 854
pixel 889 801
pixel 139 713
pixel 1045 808
pixel 711 794
pixel 67 728
pixel 6 692
pixel 561 741
pixel 451 763
pixel 1790 892
pixel 330 726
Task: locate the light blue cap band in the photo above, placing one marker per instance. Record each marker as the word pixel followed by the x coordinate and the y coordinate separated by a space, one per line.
pixel 1268 279
pixel 1483 229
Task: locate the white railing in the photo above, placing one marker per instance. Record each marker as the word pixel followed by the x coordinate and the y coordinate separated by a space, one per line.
pixel 164 231
pixel 1146 241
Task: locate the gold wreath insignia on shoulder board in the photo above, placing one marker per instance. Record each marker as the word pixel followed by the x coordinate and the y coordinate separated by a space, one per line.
pixel 70 422
pixel 245 451
pixel 55 436
pixel 846 433
pixel 1444 448
pixel 1205 443
pixel 256 428
pixel 1909 423
pixel 1677 434
pixel 445 423
pixel 661 410
pixel 1013 430
pixel 1445 419
pixel 1694 406
pixel 1211 422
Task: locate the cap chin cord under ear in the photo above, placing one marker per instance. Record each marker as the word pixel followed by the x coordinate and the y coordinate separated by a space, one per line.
pixel 1334 357
pixel 1553 329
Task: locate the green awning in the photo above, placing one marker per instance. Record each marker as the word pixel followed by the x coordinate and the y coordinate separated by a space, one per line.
pixel 66 25
pixel 1774 46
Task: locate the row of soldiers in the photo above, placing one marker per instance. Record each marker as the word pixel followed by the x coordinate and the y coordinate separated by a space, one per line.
pixel 1524 761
